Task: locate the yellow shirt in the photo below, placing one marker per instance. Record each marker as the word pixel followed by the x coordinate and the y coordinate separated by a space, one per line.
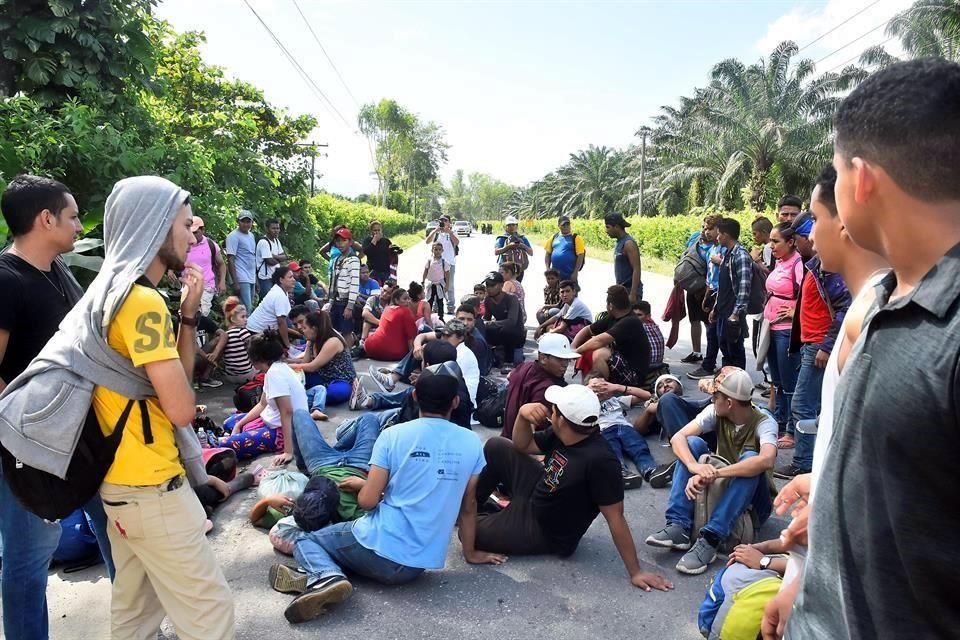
pixel 579 247
pixel 143 332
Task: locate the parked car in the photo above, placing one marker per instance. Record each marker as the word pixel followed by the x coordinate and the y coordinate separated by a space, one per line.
pixel 462 228
pixel 433 224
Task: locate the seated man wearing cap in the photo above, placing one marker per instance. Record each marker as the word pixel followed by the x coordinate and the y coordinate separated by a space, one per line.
pixel 616 345
pixel 746 437
pixel 529 382
pixel 422 480
pixel 503 318
pixel 553 503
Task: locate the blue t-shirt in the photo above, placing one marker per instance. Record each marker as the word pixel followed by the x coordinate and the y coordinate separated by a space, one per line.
pixel 243 248
pixel 563 255
pixel 713 270
pixel 702 249
pixel 430 461
pixel 367 289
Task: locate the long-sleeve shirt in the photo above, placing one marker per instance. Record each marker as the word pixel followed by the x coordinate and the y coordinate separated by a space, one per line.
pixel 346 279
pixel 834 294
pixel 736 275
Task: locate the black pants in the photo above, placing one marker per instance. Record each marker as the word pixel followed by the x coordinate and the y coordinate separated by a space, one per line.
pixel 509 340
pixel 515 530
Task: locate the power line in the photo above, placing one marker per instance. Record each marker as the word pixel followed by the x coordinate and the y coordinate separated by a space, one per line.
pixel 303 74
pixel 326 55
pixel 857 39
pixel 846 62
pixel 822 35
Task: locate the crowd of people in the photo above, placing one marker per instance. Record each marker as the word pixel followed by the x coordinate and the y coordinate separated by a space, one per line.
pixel 850 303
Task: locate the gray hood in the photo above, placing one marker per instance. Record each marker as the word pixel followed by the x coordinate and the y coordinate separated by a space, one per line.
pixel 41 428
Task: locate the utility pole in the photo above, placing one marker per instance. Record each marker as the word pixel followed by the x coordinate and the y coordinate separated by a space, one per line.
pixel 313 163
pixel 644 131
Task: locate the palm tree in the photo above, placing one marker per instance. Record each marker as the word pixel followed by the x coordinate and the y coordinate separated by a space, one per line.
pixel 930 28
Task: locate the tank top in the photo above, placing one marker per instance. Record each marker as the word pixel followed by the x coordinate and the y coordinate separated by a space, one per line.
pixel 622 270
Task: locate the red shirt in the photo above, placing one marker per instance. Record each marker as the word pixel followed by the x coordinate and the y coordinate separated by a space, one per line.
pixel 390 340
pixel 528 383
pixel 815 317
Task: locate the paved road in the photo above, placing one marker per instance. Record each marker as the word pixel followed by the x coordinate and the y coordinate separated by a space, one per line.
pixel 587 595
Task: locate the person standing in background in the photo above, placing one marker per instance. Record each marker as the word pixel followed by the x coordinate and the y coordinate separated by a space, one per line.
pixel 242 259
pixel 376 249
pixel 270 254
pixel 626 256
pixel 451 247
pixel 566 251
pixel 206 255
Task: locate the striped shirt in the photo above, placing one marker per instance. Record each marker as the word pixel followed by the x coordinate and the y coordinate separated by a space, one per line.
pixel 236 360
pixel 345 285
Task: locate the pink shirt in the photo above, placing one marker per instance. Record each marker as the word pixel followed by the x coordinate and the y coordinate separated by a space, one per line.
pixel 783 286
pixel 199 254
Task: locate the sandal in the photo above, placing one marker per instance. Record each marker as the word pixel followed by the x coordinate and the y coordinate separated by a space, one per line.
pixel 786 441
pixel 316 414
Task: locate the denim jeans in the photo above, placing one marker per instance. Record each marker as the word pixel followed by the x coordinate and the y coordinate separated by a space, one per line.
pixel 28 544
pixel 740 494
pixel 713 347
pixel 784 367
pixel 338 392
pixel 731 335
pixel 674 412
pixel 406 366
pixel 331 550
pixel 246 294
pixel 347 431
pixel 806 404
pixel 392 400
pixel 264 286
pixel 98 520
pixel 451 298
pixel 624 439
pixel 311 451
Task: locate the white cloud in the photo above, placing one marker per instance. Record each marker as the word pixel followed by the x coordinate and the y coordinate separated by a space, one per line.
pixel 848 40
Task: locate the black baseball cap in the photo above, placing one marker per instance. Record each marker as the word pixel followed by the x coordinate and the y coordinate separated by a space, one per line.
pixel 615 220
pixel 563 220
pixel 440 383
pixel 494 277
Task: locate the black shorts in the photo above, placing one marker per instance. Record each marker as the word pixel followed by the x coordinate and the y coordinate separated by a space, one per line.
pixel 695 310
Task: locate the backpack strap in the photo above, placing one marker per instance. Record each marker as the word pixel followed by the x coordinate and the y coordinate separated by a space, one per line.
pixel 114 437
pixel 213 250
pixel 145 419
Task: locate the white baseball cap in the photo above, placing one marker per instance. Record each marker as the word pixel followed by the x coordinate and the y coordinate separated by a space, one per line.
pixel 576 403
pixel 510 220
pixel 556 345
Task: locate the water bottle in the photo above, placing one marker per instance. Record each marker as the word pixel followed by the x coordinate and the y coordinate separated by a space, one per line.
pixel 202 436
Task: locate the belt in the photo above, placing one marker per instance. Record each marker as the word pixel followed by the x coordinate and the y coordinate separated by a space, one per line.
pixel 172 484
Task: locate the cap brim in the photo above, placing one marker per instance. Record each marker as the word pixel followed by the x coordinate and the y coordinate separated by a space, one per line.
pixel 572 355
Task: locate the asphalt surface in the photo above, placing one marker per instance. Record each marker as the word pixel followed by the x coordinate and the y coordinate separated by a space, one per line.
pixel 586 595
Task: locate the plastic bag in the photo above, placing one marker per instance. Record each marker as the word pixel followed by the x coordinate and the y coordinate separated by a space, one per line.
pixel 283 536
pixel 289 483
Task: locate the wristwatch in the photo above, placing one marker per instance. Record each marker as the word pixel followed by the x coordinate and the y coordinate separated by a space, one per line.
pixel 765 562
pixel 188 321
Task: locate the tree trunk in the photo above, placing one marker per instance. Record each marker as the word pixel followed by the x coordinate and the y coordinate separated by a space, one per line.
pixel 8 75
pixel 758 188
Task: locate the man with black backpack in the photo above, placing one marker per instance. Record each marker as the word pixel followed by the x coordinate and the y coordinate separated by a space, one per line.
pixel 36 292
pixel 733 295
pixel 565 252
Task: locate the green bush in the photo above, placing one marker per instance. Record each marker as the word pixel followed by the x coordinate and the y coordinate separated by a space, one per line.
pixel 658 236
pixel 327 211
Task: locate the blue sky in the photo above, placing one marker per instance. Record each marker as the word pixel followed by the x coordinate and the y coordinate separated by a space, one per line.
pixel 518 86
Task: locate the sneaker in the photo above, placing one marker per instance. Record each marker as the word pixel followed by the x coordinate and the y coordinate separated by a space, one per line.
pixel 211 383
pixel 383 377
pixel 788 471
pixel 631 480
pixel 661 476
pixel 357 352
pixel 359 398
pixel 692 358
pixel 672 536
pixel 311 603
pixel 700 373
pixel 287 579
pixel 698 559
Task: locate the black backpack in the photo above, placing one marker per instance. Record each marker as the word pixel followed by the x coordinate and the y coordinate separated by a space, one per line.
pixel 247 395
pixel 53 498
pixel 491 410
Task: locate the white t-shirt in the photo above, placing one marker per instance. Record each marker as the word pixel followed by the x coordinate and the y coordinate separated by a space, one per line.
pixel 449 253
pixel 470 370
pixel 613 411
pixel 282 381
pixel 577 309
pixel 766 430
pixel 275 304
pixel 267 249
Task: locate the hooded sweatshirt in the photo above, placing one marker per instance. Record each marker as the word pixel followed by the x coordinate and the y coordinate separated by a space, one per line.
pixel 43 410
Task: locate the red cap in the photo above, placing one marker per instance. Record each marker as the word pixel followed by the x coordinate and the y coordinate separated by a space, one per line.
pixel 294 266
pixel 344 233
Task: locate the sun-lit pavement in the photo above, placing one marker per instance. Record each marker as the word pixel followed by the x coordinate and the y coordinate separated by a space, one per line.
pixel 586 595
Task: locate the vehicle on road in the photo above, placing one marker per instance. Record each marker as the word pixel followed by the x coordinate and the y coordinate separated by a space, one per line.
pixel 433 224
pixel 462 228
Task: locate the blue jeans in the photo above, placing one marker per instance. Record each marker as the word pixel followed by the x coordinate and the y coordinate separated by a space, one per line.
pixel 98 520
pixel 264 286
pixel 312 451
pixel 246 294
pixel 322 553
pixel 406 366
pixel 731 335
pixel 674 412
pixel 624 439
pixel 784 367
pixel 28 544
pixel 392 400
pixel 337 392
pixel 806 404
pixel 347 431
pixel 741 493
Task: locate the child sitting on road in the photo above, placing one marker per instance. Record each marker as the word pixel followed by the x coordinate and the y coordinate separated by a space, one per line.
pixel 551 296
pixel 232 346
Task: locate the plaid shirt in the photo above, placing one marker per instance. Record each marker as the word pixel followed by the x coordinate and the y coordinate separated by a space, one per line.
pixel 655 338
pixel 741 276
